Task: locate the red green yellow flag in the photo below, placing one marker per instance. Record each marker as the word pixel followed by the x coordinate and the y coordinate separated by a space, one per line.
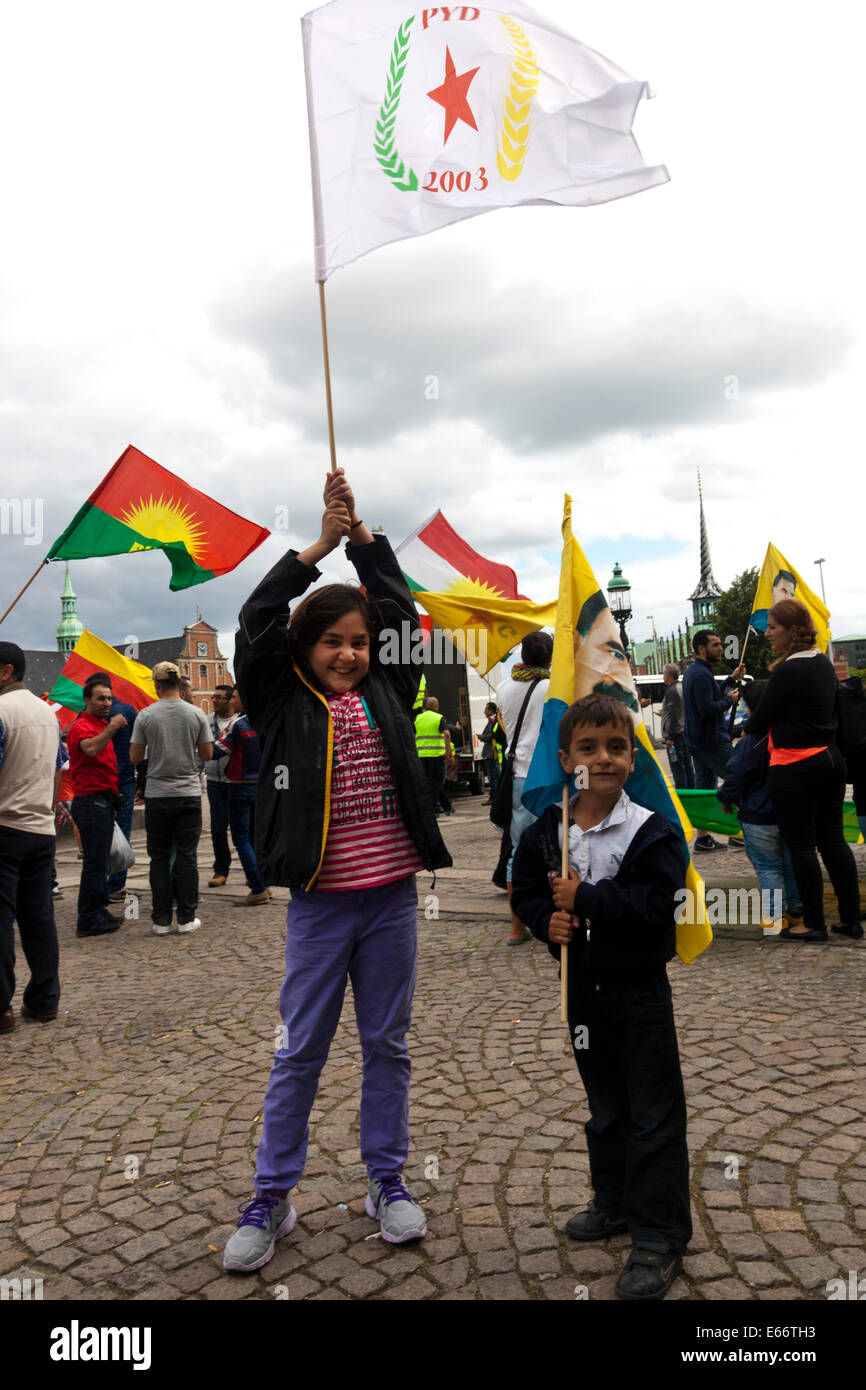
pixel 139 505
pixel 130 681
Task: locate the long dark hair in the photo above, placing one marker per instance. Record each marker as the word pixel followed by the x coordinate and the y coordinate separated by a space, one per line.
pixel 794 616
pixel 314 615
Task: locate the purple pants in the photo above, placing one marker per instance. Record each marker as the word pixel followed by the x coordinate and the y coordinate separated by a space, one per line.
pixel 371 937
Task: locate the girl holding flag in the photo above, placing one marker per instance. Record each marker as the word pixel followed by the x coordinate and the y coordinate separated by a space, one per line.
pixel 344 819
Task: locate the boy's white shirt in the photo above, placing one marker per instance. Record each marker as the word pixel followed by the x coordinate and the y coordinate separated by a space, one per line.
pixel 597 852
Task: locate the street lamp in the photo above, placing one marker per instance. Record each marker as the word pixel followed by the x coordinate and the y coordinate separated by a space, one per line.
pixel 619 602
pixel 820 563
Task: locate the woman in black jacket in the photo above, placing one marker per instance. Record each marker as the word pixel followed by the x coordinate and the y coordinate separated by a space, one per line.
pixel 807 771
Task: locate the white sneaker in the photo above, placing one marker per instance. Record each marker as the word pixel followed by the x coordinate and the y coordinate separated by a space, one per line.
pixel 189 926
pixel 160 930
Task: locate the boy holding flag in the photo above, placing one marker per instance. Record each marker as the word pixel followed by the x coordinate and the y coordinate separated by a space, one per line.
pixel 616 910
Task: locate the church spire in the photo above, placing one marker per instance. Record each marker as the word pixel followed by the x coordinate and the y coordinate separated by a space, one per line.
pixel 703 598
pixel 70 628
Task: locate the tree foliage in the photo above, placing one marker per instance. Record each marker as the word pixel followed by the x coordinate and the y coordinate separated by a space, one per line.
pixel 733 611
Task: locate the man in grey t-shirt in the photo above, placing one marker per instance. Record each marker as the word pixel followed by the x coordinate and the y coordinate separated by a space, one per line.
pixel 173 732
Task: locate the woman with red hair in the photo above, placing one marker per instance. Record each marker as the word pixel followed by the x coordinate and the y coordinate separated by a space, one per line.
pixel 807 772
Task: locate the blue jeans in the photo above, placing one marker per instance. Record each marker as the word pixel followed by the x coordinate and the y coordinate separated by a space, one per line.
pixel 242 821
pixel 711 762
pixel 218 800
pixel 369 936
pixel 493 775
pixel 771 860
pixel 521 819
pixel 124 819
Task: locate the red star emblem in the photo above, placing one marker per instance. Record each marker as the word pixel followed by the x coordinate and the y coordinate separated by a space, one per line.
pixel 452 95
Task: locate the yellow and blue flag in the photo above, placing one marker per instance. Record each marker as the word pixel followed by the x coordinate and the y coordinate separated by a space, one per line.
pixel 588 658
pixel 780 580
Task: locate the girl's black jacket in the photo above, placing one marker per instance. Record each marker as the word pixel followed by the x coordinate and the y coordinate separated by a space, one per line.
pixel 632 917
pixel 293 721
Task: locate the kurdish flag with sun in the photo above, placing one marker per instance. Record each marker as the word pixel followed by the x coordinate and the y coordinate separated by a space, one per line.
pixel 467 594
pixel 139 505
pixel 418 119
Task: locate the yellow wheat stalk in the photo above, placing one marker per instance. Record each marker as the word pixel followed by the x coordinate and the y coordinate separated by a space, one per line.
pixel 514 135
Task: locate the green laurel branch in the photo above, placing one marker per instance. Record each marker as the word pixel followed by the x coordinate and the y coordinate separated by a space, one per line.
pixel 387 154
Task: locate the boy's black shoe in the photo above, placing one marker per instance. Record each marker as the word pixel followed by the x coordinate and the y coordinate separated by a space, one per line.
pixel 593 1224
pixel 650 1270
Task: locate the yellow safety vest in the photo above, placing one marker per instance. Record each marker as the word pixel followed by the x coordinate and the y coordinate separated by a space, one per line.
pixel 428 740
pixel 422 694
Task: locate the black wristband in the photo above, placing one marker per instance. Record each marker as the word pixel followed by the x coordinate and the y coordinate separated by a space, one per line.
pixel 355 524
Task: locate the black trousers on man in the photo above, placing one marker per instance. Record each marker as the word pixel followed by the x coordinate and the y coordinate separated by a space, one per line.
pixel 26 868
pixel 808 798
pixel 636 1134
pixel 434 769
pixel 94 817
pixel 173 823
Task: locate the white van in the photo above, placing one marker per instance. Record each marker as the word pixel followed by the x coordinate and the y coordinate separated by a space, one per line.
pixel 652 688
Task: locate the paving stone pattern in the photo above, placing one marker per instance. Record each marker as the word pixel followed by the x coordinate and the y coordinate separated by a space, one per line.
pixel 129 1126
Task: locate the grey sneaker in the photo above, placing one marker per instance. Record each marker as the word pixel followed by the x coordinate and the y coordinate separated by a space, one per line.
pixel 400 1218
pixel 192 925
pixel 263 1221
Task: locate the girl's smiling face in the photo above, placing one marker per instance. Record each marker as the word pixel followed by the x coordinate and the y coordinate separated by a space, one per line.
pixel 341 658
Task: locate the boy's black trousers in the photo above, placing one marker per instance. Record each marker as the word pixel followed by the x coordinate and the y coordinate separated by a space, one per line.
pixel 636 1134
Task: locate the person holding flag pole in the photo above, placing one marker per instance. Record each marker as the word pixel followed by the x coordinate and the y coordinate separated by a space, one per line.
pixel 601 881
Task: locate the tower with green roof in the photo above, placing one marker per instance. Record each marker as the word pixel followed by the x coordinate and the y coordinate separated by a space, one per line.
pixel 70 627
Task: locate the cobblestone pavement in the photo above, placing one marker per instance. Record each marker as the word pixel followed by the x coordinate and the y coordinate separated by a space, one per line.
pixel 129 1126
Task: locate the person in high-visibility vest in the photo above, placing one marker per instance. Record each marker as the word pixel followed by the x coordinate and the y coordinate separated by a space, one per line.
pixel 433 742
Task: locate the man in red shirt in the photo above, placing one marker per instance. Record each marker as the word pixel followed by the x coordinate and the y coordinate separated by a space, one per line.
pixel 93 766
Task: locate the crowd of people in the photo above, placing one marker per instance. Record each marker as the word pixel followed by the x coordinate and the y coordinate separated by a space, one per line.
pixel 347 815
pixel 91 775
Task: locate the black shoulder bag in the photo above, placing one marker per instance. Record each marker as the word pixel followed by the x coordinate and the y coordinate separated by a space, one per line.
pixel 500 811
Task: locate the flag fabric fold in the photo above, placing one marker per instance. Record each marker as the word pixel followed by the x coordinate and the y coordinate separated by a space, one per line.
pixel 435 558
pixel 420 120
pixel 130 681
pixel 139 505
pixel 473 599
pixel 706 812
pixel 778 579
pixel 588 658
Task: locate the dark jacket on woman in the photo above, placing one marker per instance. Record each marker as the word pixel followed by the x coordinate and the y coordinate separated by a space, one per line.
pixel 632 917
pixel 293 720
pixel 798 707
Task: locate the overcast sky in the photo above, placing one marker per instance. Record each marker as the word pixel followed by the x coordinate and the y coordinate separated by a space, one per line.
pixel 156 288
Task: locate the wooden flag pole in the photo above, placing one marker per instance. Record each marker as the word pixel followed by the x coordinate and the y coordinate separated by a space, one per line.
pixel 563 950
pixel 327 356
pixel 26 587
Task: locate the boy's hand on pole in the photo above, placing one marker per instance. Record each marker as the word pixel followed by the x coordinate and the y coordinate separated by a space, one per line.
pixel 561 928
pixel 564 890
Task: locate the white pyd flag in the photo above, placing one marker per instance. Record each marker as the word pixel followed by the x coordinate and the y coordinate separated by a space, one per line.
pixel 421 119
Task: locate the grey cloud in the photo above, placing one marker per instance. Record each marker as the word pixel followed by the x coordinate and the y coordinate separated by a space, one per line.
pixel 536 369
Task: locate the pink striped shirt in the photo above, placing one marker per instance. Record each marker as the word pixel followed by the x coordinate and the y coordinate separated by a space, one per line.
pixel 367 844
